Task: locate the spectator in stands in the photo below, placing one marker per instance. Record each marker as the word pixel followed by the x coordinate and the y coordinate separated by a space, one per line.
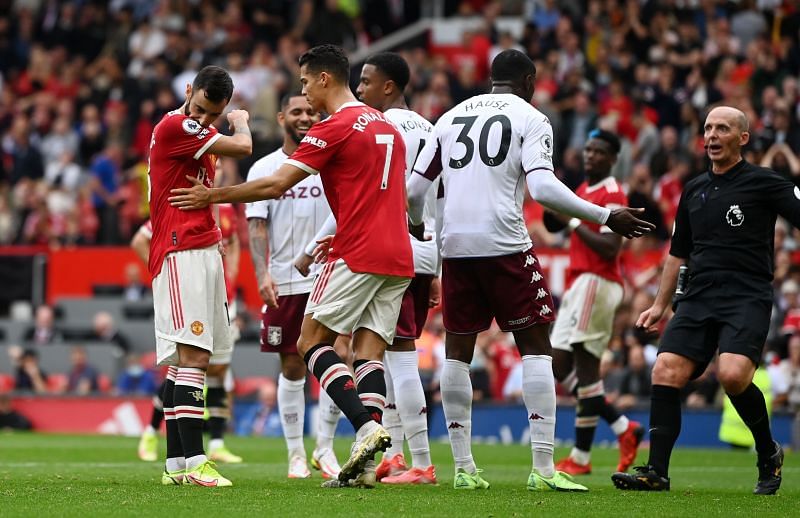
pixel 30 377
pixel 137 379
pixel 106 331
pixel 634 386
pixel 135 290
pixel 44 330
pixel 263 419
pixel 83 378
pixel 10 419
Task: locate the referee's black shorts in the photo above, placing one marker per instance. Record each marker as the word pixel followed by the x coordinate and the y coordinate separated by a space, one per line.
pixel 724 311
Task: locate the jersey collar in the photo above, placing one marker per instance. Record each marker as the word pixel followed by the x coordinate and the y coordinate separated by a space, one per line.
pixel 608 182
pixel 732 173
pixel 350 104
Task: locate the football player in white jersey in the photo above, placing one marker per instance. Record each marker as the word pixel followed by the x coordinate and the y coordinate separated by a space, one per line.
pixel 384 76
pixel 486 149
pixel 279 230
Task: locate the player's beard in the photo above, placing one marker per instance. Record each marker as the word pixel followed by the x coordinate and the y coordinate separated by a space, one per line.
pixel 295 135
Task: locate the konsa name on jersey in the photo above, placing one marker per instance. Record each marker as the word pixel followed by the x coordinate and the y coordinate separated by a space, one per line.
pixel 314 141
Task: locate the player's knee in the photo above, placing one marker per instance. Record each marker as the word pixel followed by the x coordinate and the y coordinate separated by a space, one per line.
pixel 669 374
pixel 733 379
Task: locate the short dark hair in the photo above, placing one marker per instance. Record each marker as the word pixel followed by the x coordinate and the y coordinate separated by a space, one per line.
pixel 216 82
pixel 608 137
pixel 512 65
pixel 393 66
pixel 327 58
pixel 288 96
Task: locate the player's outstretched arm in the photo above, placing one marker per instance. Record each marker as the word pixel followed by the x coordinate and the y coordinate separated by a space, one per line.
pixel 269 187
pixel 238 145
pixel 550 192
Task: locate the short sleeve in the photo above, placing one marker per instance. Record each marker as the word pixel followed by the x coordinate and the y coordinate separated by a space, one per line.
pixel 537 145
pixel 681 245
pixel 257 209
pixel 781 194
pixel 318 146
pixel 429 161
pixel 185 137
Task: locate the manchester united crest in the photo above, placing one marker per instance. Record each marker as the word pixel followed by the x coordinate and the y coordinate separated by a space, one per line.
pixel 274 335
pixel 197 328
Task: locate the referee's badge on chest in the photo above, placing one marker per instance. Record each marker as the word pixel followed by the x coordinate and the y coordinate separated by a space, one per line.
pixel 274 335
pixel 735 216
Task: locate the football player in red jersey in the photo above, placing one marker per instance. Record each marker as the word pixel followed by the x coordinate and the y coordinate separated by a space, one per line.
pixel 189 293
pixel 360 157
pixel 585 319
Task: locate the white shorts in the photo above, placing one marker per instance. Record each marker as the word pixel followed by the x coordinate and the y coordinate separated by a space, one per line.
pixel 586 314
pixel 226 358
pixel 190 304
pixel 344 301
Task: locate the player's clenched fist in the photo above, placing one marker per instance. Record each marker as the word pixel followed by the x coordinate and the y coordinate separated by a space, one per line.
pixel 235 116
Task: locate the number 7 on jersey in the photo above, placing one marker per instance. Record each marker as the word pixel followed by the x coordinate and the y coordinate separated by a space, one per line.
pixel 388 139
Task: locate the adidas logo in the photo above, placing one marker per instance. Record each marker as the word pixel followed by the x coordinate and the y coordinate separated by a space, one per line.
pixel 454 425
pixel 349 385
pixel 535 417
pixel 423 411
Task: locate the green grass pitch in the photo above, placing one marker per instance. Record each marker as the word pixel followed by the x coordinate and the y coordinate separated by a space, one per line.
pixel 55 475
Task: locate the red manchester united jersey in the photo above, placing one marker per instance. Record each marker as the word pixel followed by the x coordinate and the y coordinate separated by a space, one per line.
pixel 360 157
pixel 177 149
pixel 582 259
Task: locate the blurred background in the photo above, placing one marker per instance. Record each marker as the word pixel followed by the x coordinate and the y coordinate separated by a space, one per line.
pixel 82 84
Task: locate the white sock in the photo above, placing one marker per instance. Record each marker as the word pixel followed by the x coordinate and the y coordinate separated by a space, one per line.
pixel 292 408
pixel 328 418
pixel 456 389
pixel 580 457
pixel 539 395
pixel 366 429
pixel 176 464
pixel 410 401
pixel 620 426
pixel 215 444
pixel 193 462
pixel 391 415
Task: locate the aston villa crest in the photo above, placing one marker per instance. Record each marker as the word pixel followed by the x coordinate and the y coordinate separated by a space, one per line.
pixel 274 335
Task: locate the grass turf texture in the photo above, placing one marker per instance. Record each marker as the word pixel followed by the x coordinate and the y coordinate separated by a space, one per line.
pixel 55 475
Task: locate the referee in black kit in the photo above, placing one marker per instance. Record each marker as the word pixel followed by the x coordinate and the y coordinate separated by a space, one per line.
pixel 724 232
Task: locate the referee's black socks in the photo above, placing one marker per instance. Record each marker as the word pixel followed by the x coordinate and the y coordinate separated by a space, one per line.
pixel 752 409
pixel 665 426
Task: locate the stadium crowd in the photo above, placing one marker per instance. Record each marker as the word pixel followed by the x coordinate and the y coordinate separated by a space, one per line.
pixel 83 83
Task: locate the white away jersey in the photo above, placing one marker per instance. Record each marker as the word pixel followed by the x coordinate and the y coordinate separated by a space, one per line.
pixel 416 131
pixel 483 149
pixel 293 220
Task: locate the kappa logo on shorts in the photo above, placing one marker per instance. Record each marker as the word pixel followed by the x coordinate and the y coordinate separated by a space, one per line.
pixel 545 310
pixel 536 277
pixel 274 335
pixel 529 260
pixel 197 328
pixel 542 293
